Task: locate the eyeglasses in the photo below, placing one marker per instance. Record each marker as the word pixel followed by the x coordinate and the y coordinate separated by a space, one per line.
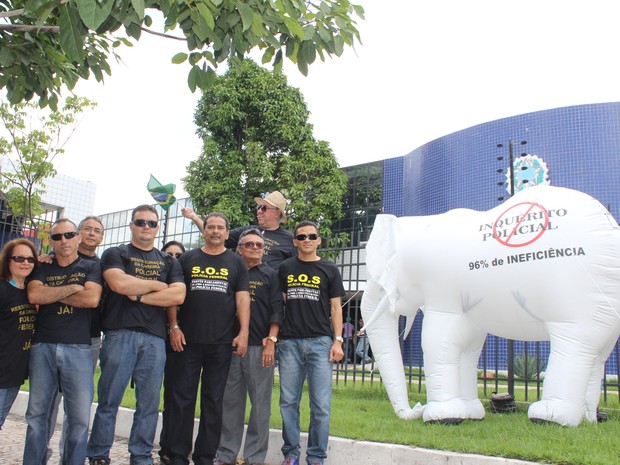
pixel 176 255
pixel 20 259
pixel 142 223
pixel 303 237
pixel 262 208
pixel 67 235
pixel 252 245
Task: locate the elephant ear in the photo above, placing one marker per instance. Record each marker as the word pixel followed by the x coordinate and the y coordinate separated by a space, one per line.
pixel 382 256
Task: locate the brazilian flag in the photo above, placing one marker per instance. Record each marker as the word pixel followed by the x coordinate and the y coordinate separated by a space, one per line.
pixel 162 193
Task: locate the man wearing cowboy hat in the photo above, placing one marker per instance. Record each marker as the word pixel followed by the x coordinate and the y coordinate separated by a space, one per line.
pixel 270 213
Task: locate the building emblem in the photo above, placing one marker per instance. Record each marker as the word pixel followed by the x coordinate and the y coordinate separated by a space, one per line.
pixel 529 170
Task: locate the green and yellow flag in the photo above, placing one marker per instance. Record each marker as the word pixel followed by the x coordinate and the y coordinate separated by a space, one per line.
pixel 162 193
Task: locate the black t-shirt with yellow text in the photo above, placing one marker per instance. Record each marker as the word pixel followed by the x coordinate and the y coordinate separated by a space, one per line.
pixel 309 288
pixel 17 323
pixel 208 314
pixel 119 312
pixel 61 323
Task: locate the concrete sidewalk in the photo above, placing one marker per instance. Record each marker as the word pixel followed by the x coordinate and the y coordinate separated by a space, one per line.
pixel 341 451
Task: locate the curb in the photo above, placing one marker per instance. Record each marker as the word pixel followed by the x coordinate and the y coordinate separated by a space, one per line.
pixel 341 451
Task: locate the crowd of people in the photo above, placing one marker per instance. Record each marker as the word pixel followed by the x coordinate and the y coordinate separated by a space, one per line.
pixel 219 317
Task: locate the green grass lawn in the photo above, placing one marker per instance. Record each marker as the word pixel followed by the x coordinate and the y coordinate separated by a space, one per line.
pixel 363 411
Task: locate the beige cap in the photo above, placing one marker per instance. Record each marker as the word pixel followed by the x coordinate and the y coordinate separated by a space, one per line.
pixel 275 199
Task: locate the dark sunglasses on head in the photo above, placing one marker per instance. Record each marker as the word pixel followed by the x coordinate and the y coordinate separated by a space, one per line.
pixel 249 245
pixel 67 235
pixel 177 255
pixel 20 259
pixel 262 208
pixel 142 223
pixel 303 237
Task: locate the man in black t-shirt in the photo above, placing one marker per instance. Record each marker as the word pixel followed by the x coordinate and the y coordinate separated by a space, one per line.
pixel 203 338
pixel 66 290
pixel 270 214
pixel 311 340
pixel 253 374
pixel 142 282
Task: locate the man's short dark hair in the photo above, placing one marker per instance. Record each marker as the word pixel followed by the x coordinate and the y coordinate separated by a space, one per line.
pixel 63 220
pixel 216 215
pixel 88 218
pixel 248 232
pixel 144 208
pixel 305 223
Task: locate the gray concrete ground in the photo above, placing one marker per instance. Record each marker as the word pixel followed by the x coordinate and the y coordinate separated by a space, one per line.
pixel 341 451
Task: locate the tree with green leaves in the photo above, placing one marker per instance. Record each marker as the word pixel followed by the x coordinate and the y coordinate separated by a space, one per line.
pixel 29 142
pixel 257 139
pixel 45 44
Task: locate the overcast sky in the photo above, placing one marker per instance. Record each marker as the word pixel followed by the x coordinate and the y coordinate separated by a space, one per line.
pixel 425 69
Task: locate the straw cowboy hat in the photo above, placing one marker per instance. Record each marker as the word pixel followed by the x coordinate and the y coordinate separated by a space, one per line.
pixel 275 199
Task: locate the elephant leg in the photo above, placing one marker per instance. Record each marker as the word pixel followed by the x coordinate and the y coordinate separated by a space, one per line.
pixel 593 390
pixel 573 374
pixel 469 372
pixel 451 346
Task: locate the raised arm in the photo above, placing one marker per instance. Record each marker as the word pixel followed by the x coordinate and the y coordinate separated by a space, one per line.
pixel 192 215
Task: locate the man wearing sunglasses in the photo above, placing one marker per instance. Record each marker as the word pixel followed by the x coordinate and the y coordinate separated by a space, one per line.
pixel 253 374
pixel 61 358
pixel 91 234
pixel 142 283
pixel 204 339
pixel 270 214
pixel 311 340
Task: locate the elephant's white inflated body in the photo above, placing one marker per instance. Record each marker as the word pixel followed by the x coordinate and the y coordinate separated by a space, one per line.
pixel 545 265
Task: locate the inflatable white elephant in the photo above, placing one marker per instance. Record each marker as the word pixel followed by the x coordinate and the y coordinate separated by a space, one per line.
pixel 545 265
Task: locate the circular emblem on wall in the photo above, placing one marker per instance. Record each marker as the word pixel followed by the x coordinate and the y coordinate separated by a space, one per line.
pixel 530 170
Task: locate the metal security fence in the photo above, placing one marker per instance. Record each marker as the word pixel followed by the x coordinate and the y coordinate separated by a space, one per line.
pixel 528 358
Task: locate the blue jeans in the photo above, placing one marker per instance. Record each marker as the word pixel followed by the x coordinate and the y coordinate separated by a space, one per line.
pixel 128 354
pixel 299 359
pixel 70 367
pixel 7 397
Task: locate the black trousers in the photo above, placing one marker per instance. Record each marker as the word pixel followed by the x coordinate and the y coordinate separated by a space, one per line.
pixel 213 360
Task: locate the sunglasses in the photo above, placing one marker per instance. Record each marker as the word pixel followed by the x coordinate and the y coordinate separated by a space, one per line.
pixel 20 259
pixel 251 245
pixel 262 208
pixel 142 223
pixel 67 235
pixel 176 255
pixel 303 237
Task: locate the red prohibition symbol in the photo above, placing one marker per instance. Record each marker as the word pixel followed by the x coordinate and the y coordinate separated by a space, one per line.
pixel 513 236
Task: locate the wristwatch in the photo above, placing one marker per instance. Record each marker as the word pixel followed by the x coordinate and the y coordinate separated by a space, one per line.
pixel 339 339
pixel 173 328
pixel 273 339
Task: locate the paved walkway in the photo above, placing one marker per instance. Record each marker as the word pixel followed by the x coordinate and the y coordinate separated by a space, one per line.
pixel 13 435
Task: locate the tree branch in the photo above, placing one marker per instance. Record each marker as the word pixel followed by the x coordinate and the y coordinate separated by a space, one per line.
pixel 161 34
pixel 28 28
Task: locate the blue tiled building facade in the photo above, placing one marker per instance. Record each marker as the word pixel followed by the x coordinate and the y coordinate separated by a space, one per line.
pixel 468 169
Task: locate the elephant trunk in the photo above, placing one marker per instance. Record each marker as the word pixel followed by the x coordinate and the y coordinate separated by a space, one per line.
pixel 382 331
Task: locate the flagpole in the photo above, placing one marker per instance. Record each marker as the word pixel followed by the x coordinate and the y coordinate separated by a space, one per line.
pixel 165 227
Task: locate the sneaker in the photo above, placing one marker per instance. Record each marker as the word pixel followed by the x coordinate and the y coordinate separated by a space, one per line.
pixel 290 461
pixel 164 459
pixel 98 462
pixel 220 462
